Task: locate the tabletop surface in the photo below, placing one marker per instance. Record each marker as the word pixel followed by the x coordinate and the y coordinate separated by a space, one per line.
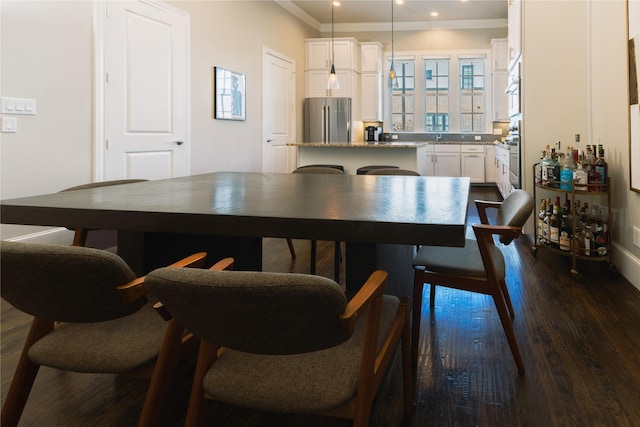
pixel 358 208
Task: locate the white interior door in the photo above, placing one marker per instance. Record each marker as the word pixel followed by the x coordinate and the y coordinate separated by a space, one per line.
pixel 278 111
pixel 146 91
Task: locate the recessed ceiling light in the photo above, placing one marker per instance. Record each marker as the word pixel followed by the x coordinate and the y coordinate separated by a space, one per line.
pixel 336 3
pixel 434 13
pixel 399 1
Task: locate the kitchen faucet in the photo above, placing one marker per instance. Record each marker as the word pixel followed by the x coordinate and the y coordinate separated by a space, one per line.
pixel 438 136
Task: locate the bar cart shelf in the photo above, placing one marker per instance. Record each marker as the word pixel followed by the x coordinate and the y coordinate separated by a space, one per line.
pixel 599 197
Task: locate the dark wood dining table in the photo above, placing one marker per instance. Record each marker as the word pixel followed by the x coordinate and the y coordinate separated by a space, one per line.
pixel 381 218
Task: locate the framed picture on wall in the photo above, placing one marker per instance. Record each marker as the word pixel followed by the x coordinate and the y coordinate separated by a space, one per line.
pixel 229 94
pixel 633 31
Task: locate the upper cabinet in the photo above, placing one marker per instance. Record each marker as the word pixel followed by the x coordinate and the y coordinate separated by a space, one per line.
pixel 515 31
pixel 500 79
pixel 319 55
pixel 371 78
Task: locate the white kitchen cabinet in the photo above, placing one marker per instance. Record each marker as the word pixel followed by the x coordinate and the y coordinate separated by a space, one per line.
pixel 490 168
pixel 443 160
pixel 371 57
pixel 371 97
pixel 502 165
pixel 319 57
pixel 472 162
pixel 514 36
pixel 316 84
pixel 500 79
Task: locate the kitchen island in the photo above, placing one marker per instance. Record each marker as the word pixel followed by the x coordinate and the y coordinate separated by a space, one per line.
pixel 405 155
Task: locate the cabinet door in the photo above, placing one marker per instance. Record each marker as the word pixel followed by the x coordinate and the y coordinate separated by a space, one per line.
pixel 316 81
pixel 372 97
pixel 472 165
pixel 371 57
pixel 447 164
pixel 318 54
pixel 514 31
pixel 490 167
pixel 431 167
pixel 500 81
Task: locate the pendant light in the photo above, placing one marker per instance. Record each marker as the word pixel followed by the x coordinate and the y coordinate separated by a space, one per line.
pixel 333 78
pixel 392 70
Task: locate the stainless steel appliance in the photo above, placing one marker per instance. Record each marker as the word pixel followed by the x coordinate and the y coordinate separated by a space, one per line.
pixel 327 120
pixel 513 91
pixel 514 141
pixel 372 133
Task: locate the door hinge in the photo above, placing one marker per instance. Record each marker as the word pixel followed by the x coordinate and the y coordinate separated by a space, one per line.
pixel 106 77
pixel 106 143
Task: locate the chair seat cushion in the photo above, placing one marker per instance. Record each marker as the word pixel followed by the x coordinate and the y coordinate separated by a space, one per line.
pixel 465 261
pixel 113 346
pixel 309 382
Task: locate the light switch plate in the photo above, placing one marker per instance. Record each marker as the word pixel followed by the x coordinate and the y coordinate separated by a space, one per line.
pixel 19 106
pixel 9 124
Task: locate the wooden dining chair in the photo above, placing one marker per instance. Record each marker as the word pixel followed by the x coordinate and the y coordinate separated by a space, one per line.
pixel 392 171
pixel 80 235
pixel 479 266
pixel 287 343
pixel 326 170
pixel 91 316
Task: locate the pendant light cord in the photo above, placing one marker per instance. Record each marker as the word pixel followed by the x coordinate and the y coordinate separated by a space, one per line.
pixel 333 49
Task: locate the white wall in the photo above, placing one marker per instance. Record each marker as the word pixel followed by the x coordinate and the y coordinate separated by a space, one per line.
pixel 575 81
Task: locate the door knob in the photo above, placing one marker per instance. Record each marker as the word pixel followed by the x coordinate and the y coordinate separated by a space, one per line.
pixel 178 142
pixel 270 140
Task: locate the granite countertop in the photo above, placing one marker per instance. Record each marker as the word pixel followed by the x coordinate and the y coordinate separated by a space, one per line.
pixel 389 144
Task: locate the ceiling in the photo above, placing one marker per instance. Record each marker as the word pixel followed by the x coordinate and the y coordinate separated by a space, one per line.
pixel 413 14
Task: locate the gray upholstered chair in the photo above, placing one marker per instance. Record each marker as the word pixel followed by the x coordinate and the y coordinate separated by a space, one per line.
pixel 90 315
pixel 80 234
pixel 326 170
pixel 287 343
pixel 479 266
pixel 393 171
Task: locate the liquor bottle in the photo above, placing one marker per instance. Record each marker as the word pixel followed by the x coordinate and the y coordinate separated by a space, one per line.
pixel 541 216
pixel 545 164
pixel 602 240
pixel 553 170
pixel 554 227
pixel 538 168
pixel 589 242
pixel 580 177
pixel 565 233
pixel 546 232
pixel 566 174
pixel 578 241
pixel 601 166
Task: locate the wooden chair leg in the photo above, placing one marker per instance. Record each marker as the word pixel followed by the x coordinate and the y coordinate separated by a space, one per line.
pixel 418 286
pixel 292 250
pixel 407 371
pixel 507 325
pixel 507 298
pixel 336 262
pixel 314 250
pixel 432 296
pixel 25 375
pixel 206 356
pixel 163 373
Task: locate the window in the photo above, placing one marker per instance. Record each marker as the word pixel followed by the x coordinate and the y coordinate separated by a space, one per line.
pixel 436 99
pixel 403 97
pixel 472 95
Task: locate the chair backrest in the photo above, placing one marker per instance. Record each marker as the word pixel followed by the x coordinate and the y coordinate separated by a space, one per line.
pixel 514 211
pixel 393 171
pixel 65 283
pixel 254 312
pixel 319 170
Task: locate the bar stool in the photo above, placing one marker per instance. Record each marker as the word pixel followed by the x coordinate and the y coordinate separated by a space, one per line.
pixel 365 169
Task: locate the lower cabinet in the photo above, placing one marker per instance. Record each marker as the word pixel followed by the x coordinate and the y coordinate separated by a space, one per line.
pixel 502 173
pixel 490 168
pixel 443 160
pixel 472 162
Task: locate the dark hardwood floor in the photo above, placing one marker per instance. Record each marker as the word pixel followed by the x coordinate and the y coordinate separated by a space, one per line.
pixel 580 343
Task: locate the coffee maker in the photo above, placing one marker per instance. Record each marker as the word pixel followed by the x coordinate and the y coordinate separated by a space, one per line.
pixel 372 133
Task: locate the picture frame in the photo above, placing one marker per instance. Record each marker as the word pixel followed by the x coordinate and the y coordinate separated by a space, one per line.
pixel 230 89
pixel 633 49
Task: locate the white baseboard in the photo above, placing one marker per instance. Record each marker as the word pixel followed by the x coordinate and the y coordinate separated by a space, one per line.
pixel 627 264
pixel 53 236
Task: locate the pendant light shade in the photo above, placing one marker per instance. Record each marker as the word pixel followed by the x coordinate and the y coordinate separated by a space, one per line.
pixel 332 83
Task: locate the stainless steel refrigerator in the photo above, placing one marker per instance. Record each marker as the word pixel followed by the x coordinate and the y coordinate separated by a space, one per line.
pixel 327 120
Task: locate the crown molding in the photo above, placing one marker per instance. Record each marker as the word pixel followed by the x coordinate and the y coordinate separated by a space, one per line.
pixel 468 24
pixel 300 14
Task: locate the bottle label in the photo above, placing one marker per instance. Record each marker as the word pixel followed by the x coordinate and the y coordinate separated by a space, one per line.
pixel 600 170
pixel 555 235
pixel 565 241
pixel 587 246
